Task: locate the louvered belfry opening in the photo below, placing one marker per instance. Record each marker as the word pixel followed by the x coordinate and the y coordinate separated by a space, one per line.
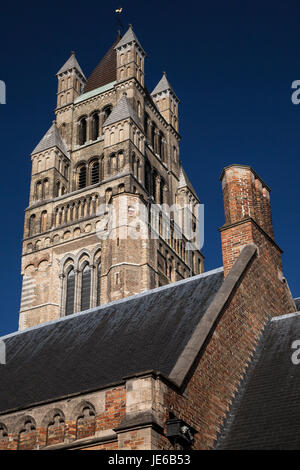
pixel 98 283
pixel 82 177
pixel 86 288
pixel 95 172
pixel 95 126
pixel 82 131
pixel 70 292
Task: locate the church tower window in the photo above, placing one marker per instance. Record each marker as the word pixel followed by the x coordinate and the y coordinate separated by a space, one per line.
pixel 95 169
pixel 86 288
pixel 82 131
pixel 95 126
pixel 98 284
pixel 70 297
pixel 82 176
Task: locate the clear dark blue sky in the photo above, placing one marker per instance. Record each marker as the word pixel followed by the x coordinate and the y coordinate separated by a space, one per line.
pixel 230 63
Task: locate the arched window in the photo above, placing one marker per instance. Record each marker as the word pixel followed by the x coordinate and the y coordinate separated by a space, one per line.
pixel 161 145
pixel 27 436
pixel 95 172
pixel 3 436
pixel 86 288
pixel 57 188
pixel 45 188
pixel 107 110
pixel 139 109
pixel 95 126
pixel 82 176
pixel 55 430
pixel 31 224
pixel 113 163
pixel 66 168
pixel 153 128
pixel 108 194
pixel 82 131
pixel 133 164
pixel 146 119
pixel 98 288
pixel 154 183
pixel 44 221
pixel 70 294
pixel 161 191
pixel 148 177
pixel 39 190
pixel 175 154
pixel 86 423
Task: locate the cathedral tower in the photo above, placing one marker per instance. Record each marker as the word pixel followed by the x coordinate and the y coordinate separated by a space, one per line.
pixel 90 235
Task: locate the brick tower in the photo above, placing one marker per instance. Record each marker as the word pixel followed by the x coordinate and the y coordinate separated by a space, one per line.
pixel 112 142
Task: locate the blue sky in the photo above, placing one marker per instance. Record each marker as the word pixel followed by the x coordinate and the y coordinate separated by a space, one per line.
pixel 230 63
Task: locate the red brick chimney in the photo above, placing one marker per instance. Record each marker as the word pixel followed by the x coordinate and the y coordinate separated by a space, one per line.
pixel 248 216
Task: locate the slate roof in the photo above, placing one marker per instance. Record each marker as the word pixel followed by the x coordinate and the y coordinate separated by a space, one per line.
pixel 163 85
pixel 106 70
pixel 265 414
pixel 129 37
pixel 70 64
pixel 122 110
pixel 52 138
pixel 99 347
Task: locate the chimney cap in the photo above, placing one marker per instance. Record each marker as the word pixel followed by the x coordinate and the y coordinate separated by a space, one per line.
pixel 246 167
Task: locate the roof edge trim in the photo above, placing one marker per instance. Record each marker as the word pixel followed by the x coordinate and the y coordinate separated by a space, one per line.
pixel 287 315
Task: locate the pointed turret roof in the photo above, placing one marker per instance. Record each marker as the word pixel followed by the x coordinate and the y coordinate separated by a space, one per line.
pixel 129 37
pixel 106 70
pixel 184 181
pixel 122 110
pixel 163 85
pixel 71 63
pixel 52 138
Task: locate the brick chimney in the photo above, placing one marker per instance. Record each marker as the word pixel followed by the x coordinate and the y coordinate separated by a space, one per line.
pixel 248 216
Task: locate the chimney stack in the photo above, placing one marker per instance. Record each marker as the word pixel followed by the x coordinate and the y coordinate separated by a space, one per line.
pixel 248 216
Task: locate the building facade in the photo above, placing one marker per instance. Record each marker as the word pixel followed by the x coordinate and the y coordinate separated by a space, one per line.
pixel 112 143
pixel 127 344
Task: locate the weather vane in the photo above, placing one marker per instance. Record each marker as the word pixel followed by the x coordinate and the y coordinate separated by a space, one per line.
pixel 118 13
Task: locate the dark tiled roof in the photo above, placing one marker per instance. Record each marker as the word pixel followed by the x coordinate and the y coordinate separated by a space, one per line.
pixel 266 411
pixel 106 70
pixel 99 347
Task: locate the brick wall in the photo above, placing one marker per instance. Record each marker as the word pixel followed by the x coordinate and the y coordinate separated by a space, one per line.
pixel 209 392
